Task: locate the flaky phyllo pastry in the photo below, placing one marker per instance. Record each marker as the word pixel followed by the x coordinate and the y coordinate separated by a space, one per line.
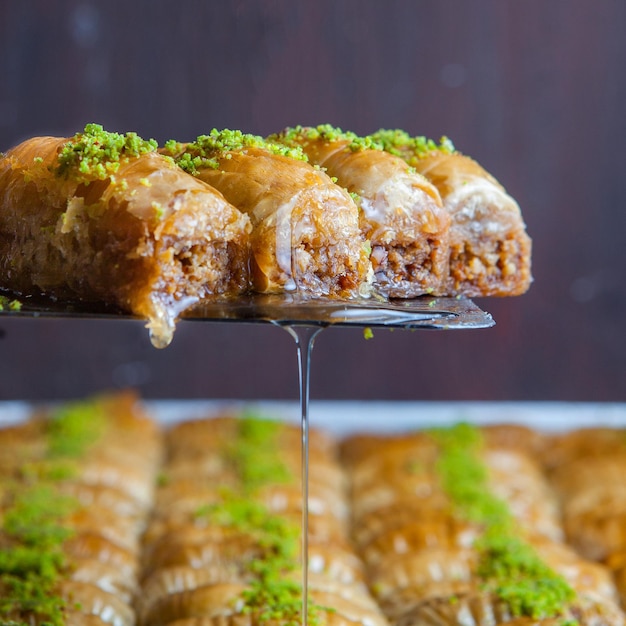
pixel 107 517
pixel 224 544
pixel 313 212
pixel 587 467
pixel 76 489
pixel 104 217
pixel 401 213
pixel 489 249
pixel 459 526
pixel 305 234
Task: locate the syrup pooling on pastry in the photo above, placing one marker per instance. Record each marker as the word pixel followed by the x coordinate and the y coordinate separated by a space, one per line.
pixel 306 235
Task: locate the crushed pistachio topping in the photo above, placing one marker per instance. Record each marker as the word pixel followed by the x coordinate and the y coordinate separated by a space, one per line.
pixel 326 132
pixel 272 593
pixel 209 150
pixel 73 427
pixel 33 562
pixel 277 598
pixel 274 534
pixel 400 143
pixel 96 154
pixel 253 453
pixel 8 304
pixel 508 565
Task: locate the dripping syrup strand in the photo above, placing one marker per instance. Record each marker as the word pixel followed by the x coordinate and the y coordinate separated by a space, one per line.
pixel 304 337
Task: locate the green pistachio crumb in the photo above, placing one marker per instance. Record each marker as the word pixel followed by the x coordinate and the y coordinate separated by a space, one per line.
pixel 326 132
pixel 97 154
pixel 173 147
pixel 368 333
pixel 400 143
pixel 9 304
pixel 33 519
pixel 249 453
pixel 163 479
pixel 159 209
pixel 508 565
pixel 208 150
pixel 73 427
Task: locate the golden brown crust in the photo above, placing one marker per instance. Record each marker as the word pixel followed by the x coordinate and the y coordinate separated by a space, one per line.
pixel 583 443
pixel 587 468
pixel 401 216
pixel 149 240
pixel 95 569
pixel 423 557
pixel 305 228
pixel 490 250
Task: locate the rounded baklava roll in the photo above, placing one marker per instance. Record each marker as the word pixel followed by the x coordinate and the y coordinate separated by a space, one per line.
pixel 587 468
pixel 306 235
pixel 471 604
pixel 463 516
pixel 225 542
pixel 102 217
pixel 69 531
pixel 490 250
pixel 401 471
pixel 401 213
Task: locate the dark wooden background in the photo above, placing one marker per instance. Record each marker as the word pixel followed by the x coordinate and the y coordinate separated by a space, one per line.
pixel 534 89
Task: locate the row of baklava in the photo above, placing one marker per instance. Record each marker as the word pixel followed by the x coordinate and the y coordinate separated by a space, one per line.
pixel 461 526
pixel 76 489
pixel 587 468
pixel 312 211
pixel 106 520
pixel 224 544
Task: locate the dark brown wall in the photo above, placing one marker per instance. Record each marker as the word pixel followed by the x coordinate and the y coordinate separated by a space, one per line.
pixel 535 90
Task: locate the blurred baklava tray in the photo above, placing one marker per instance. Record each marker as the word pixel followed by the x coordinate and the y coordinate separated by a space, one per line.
pixel 120 510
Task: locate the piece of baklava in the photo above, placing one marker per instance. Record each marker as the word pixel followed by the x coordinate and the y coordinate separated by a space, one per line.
pixel 587 467
pixel 401 213
pixel 490 250
pixel 102 217
pixel 224 545
pixel 305 235
pixel 456 528
pixel 74 505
